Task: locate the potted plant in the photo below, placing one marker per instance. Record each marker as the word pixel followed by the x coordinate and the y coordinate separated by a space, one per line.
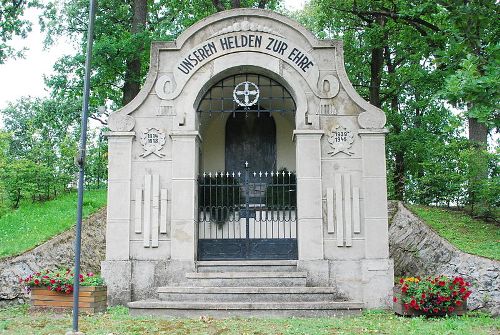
pixel 53 289
pixel 432 296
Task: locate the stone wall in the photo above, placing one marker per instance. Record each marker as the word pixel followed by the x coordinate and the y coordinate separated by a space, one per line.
pixel 56 252
pixel 418 250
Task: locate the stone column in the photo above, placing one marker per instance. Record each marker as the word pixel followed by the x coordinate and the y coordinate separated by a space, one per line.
pixel 377 268
pixel 309 207
pixel 375 193
pixel 116 269
pixel 185 165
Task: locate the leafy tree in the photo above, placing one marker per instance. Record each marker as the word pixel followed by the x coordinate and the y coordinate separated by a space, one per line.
pixel 410 59
pixel 472 57
pixel 13 24
pixel 386 42
pixel 39 153
pixel 123 34
pixel 19 178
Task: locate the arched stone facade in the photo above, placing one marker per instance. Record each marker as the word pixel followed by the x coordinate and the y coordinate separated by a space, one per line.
pixel 154 159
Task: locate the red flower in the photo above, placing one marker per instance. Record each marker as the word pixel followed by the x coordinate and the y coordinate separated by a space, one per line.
pixel 406 306
pixel 423 295
pixel 52 281
pixel 401 281
pixel 395 299
pixel 435 310
pixel 458 302
pixel 441 283
pixel 37 282
pixel 451 309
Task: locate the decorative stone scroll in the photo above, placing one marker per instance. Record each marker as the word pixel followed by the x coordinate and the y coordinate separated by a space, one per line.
pixel 341 140
pixel 245 26
pixel 120 122
pixel 152 140
pixel 372 119
pixel 164 86
pixel 151 211
pixel 329 86
pixel 343 214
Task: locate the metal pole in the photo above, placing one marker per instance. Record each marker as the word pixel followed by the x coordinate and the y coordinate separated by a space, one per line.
pixel 99 160
pixel 81 164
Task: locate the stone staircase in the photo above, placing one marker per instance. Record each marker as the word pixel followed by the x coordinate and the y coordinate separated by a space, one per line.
pixel 246 288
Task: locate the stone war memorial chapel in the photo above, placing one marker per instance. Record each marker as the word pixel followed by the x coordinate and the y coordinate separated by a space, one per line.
pixel 247 178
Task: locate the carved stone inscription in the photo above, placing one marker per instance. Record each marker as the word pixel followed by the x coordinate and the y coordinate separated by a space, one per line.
pixel 152 141
pixel 341 140
pixel 267 44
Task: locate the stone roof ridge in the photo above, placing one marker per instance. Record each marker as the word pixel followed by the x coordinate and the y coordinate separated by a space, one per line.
pixel 245 26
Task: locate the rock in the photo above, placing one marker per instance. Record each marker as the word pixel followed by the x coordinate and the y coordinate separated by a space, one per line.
pixel 52 254
pixel 419 251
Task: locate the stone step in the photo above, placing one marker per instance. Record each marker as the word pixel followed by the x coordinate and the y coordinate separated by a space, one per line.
pixel 169 309
pixel 244 279
pixel 249 294
pixel 246 266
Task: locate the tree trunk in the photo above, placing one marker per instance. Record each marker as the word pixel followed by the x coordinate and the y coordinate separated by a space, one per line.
pixel 376 67
pixel 219 5
pixel 376 64
pixel 132 79
pixel 478 133
pixel 399 158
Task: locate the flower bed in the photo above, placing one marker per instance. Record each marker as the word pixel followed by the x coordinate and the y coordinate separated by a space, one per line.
pixel 431 296
pixel 53 289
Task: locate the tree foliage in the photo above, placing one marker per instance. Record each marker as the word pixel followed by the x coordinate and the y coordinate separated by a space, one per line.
pixel 415 60
pixel 37 150
pixel 123 34
pixel 432 66
pixel 13 24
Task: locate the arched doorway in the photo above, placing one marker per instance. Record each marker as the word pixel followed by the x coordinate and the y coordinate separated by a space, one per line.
pixel 247 206
pixel 250 137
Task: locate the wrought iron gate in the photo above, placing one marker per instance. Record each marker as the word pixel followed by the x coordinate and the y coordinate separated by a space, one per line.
pixel 249 215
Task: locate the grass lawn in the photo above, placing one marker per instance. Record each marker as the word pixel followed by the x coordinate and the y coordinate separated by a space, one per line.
pixel 467 234
pixel 17 320
pixel 34 223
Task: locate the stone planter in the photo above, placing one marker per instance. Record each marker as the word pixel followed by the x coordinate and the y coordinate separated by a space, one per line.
pixel 92 299
pixel 399 309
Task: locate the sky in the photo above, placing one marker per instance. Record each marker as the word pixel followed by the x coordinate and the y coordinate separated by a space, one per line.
pixel 24 77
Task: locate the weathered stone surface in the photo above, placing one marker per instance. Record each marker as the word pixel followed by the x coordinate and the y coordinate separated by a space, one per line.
pixel 57 252
pixel 418 250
